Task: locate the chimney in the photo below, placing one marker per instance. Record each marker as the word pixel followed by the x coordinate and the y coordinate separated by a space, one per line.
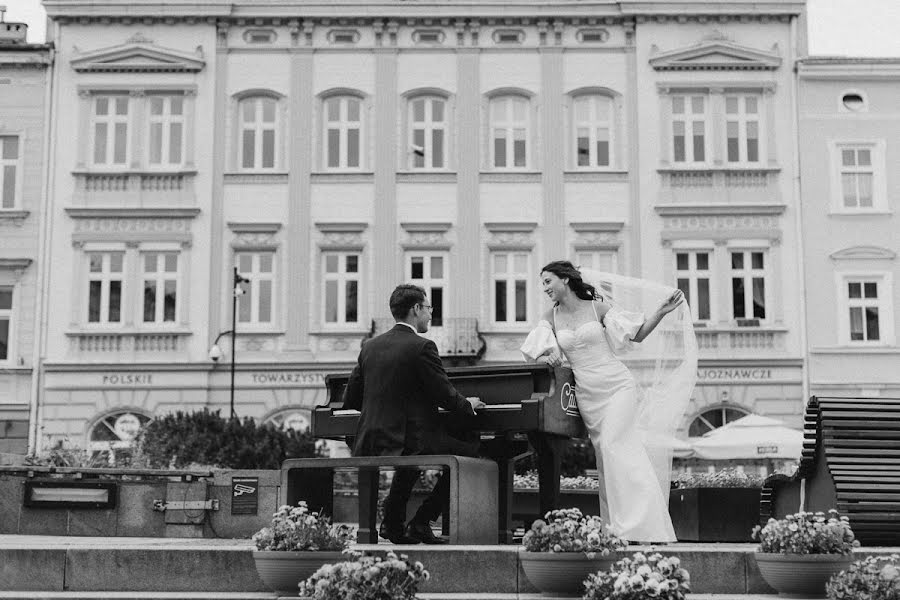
pixel 11 33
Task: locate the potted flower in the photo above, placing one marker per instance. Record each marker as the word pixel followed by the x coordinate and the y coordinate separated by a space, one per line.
pixel 874 577
pixel 366 577
pixel 722 506
pixel 797 554
pixel 640 577
pixel 561 549
pixel 296 544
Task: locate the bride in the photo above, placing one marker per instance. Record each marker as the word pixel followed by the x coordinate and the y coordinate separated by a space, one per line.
pixel 631 420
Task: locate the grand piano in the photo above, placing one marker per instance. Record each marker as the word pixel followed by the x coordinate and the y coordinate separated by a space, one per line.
pixel 530 407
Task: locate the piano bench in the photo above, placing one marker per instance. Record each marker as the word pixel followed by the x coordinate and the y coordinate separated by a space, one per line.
pixel 474 505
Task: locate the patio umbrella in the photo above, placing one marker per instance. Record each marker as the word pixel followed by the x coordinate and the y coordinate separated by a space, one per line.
pixel 753 436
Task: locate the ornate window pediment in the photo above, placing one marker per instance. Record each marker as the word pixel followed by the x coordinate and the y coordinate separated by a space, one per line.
pixel 716 55
pixel 864 253
pixel 139 55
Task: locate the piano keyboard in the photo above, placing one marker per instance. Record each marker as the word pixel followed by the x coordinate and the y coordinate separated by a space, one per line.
pixel 512 406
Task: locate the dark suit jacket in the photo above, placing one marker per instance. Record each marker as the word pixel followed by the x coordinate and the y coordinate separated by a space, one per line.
pixel 397 385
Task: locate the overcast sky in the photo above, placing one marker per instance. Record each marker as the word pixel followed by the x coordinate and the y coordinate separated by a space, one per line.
pixel 835 26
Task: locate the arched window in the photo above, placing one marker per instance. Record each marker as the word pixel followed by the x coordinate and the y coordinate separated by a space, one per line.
pixel 427 132
pixel 343 132
pixel 258 117
pixel 114 434
pixel 510 131
pixel 291 418
pixel 715 418
pixel 593 128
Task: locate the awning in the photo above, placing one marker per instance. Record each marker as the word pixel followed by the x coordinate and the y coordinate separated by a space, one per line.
pixel 753 436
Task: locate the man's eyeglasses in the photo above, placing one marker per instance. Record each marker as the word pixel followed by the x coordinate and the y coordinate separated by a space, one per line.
pixel 428 306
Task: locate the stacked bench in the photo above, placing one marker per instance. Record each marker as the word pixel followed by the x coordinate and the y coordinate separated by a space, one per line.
pixel 851 462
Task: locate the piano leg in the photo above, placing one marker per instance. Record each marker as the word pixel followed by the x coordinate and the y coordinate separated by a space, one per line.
pixel 549 450
pixel 503 450
pixel 315 486
pixel 368 506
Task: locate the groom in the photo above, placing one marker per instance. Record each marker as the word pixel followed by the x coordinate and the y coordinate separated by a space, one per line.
pixel 397 385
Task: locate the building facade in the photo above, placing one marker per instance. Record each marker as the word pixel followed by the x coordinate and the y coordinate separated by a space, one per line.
pixel 331 151
pixel 850 154
pixel 24 79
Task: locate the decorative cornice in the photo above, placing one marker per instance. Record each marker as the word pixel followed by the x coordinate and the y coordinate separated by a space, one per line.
pixel 138 55
pixel 863 253
pixel 716 55
pixel 590 227
pixel 14 264
pixel 133 213
pixel 696 210
pixel 341 227
pixel 843 69
pixel 254 227
pixel 426 227
pixel 13 217
pixel 510 226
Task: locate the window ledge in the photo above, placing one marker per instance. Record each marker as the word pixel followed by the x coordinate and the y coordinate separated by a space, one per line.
pixel 343 177
pixel 256 177
pixel 15 216
pixel 129 171
pixel 15 371
pixel 736 329
pixel 426 176
pixel 718 169
pixel 859 213
pixel 338 332
pixel 857 349
pixel 257 332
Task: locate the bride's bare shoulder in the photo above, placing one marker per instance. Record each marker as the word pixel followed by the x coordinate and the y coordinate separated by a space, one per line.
pixel 601 307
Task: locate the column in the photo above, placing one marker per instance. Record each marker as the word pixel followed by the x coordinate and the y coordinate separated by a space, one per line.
pixel 384 231
pixel 298 230
pixel 716 119
pixel 467 250
pixel 553 153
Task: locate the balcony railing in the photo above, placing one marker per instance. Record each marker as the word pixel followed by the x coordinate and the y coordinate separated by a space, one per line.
pixel 455 337
pixel 125 343
pixel 740 341
pixel 142 188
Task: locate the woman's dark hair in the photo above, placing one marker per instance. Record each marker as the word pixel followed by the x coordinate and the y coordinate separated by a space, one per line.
pixel 404 298
pixel 564 269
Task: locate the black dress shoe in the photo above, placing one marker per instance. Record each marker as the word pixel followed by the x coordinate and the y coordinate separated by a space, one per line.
pixel 395 535
pixel 421 532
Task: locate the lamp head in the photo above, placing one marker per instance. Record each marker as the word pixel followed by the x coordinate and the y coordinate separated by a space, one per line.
pixel 215 353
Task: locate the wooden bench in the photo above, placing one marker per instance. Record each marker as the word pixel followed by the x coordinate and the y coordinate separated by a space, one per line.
pixel 470 518
pixel 851 462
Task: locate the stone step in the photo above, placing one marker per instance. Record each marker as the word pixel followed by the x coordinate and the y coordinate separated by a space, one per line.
pixel 45 564
pixel 267 596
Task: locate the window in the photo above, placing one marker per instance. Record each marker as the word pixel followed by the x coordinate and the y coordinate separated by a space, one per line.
pixel 864 307
pixel 509 132
pixel 259 122
pixel 6 300
pixel 160 287
pixel 105 287
pixel 112 438
pixel 748 286
pixel 429 270
pixel 853 101
pixel 857 177
pixel 255 307
pixel 689 129
pixel 343 132
pixel 428 132
pixel 742 128
pixel 593 129
pixel 292 419
pixel 510 272
pixel 715 418
pixel 166 131
pixel 9 168
pixel 601 260
pixel 693 279
pixel 341 287
pixel 110 131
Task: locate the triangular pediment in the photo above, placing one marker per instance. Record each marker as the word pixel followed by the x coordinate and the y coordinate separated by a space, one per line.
pixel 864 253
pixel 716 55
pixel 138 55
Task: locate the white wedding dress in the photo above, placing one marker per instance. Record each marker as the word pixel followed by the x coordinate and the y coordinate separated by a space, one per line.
pixel 631 498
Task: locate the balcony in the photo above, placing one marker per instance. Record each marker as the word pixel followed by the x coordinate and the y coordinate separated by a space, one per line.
pixel 458 339
pixel 134 188
pixel 742 341
pixel 127 344
pixel 718 185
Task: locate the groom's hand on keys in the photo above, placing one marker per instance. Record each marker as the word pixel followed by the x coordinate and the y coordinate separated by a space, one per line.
pixel 475 402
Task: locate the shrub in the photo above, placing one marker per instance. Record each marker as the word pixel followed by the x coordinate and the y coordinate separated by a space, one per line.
pixel 567 530
pixel 807 533
pixel 296 528
pixel 873 578
pixel 640 577
pixel 181 439
pixel 366 577
pixel 724 478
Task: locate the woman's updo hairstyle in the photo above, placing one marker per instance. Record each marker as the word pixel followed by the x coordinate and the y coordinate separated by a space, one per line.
pixel 564 269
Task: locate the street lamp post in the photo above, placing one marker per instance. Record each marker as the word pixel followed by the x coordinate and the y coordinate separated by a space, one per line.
pixel 215 353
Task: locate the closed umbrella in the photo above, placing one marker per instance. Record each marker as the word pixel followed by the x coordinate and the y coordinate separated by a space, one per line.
pixel 753 436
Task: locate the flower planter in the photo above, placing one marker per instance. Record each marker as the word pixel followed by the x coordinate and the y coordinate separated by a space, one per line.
pixel 283 571
pixel 800 575
pixel 562 573
pixel 706 514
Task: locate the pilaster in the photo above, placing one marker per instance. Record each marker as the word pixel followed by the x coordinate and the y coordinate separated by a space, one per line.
pixel 387 269
pixel 634 130
pixel 220 258
pixel 553 153
pixel 468 161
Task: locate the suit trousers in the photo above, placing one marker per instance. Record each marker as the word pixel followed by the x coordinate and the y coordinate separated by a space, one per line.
pixel 405 479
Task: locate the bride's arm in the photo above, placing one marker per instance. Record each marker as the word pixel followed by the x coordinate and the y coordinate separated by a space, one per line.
pixel 653 320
